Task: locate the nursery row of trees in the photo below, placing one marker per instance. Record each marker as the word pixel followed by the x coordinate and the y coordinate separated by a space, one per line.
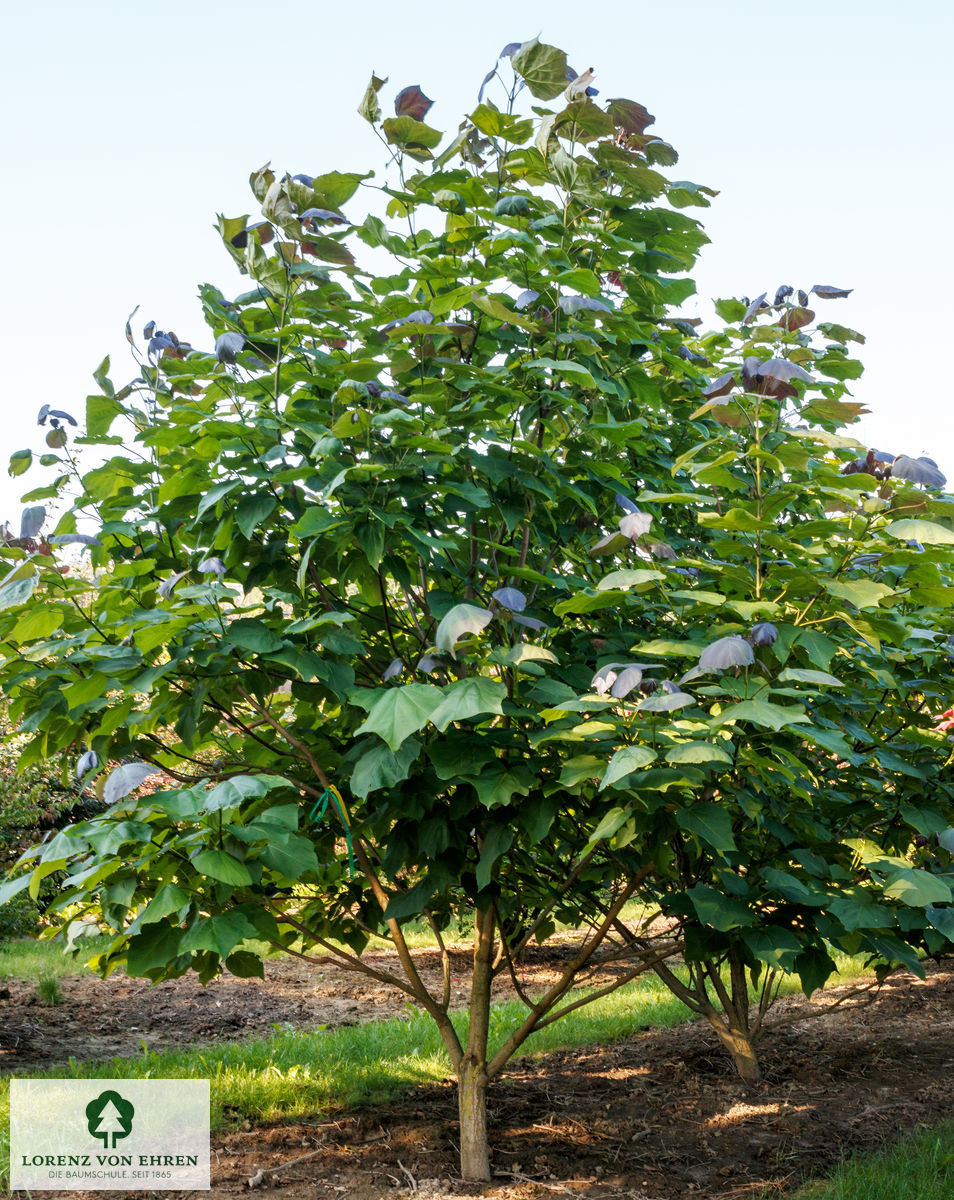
pixel 454 575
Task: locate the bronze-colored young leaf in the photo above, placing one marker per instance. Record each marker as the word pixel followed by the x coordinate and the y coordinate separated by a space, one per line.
pixel 411 102
pixel 796 318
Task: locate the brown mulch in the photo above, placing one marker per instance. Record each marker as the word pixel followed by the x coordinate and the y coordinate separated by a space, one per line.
pixel 660 1116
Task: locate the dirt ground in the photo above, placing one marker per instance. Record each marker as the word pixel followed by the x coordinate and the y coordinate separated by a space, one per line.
pixel 659 1116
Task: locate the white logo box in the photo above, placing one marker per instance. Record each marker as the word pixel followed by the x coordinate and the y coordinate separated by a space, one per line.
pixel 109 1135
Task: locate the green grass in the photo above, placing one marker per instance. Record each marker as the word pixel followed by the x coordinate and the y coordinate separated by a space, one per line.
pixel 919 1167
pixel 29 959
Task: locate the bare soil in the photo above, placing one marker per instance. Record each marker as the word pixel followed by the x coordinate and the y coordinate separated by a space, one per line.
pixel 660 1116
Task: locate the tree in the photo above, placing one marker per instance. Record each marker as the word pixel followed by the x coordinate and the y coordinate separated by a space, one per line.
pixel 352 590
pixel 327 557
pixel 788 789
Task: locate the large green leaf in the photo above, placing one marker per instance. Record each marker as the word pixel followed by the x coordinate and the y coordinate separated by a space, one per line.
pixel 711 822
pixel 764 713
pixel 219 865
pixel 542 68
pixel 862 593
pixel 628 579
pixel 18 591
pixel 292 856
pixel 497 842
pixel 699 752
pixel 468 698
pixel 928 532
pixel 380 767
pixel 220 933
pixel 917 888
pixel 624 762
pixel 720 911
pixel 252 511
pixel 395 713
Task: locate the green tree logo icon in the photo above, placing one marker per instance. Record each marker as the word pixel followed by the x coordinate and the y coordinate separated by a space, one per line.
pixel 109 1114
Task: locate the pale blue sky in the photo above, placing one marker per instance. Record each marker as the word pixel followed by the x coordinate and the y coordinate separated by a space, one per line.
pixel 826 127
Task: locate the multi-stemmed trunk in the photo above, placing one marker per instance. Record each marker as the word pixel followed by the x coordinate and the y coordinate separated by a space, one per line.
pixel 729 1012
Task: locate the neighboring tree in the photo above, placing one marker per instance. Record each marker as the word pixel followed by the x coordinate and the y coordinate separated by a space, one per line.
pixel 787 789
pixel 326 564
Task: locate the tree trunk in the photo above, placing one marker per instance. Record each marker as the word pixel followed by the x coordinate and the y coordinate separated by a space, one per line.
pixel 472 1105
pixel 472 1078
pixel 739 1044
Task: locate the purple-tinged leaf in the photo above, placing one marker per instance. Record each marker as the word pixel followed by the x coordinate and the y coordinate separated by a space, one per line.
pixel 411 102
pixel 227 346
pixel 579 85
pixel 666 702
pixel 531 622
pixel 574 304
pixel 775 376
pixel 525 299
pixel 918 470
pixel 166 587
pixel 419 317
pixel 802 298
pixel 487 79
pixel 158 345
pixel 390 394
pixel 511 598
pixel 751 366
pixel 212 566
pixel 635 524
pixel 31 522
pixel 756 306
pixel 782 294
pixel 325 216
pixel 149 330
pixel 626 681
pixel 732 651
pixel 394 667
pixel 460 620
pixel 606 676
pixel 510 50
pixel 721 386
pixel 625 503
pixel 307 180
pixel 126 779
pixel 763 634
pixel 57 414
pixel 429 663
pixel 87 762
pixel 43 414
pixel 826 292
